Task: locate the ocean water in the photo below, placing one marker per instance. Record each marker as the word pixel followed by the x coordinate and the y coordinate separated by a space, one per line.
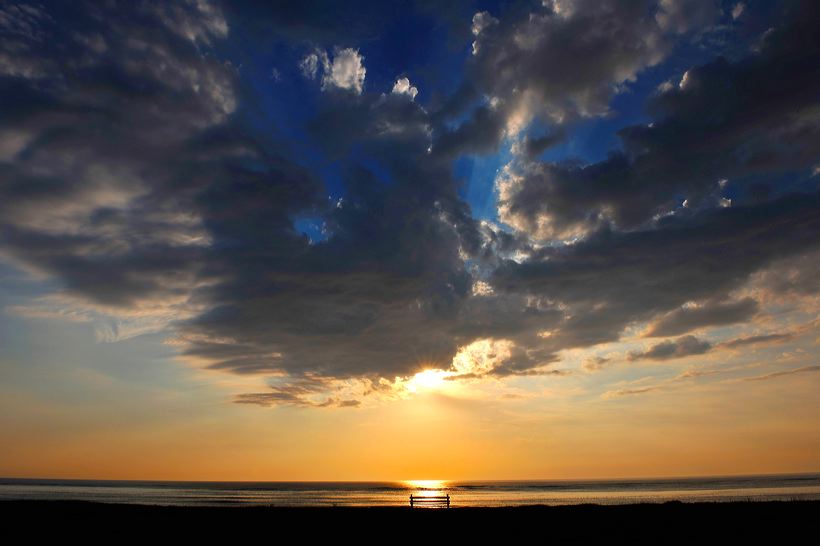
pixel 466 493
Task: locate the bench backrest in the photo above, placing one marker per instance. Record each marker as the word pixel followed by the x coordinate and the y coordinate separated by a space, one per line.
pixel 442 500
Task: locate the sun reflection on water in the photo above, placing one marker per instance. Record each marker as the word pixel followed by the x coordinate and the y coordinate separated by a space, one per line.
pixel 426 487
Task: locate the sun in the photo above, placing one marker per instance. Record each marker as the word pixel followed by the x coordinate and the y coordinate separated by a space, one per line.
pixel 428 380
pixel 426 485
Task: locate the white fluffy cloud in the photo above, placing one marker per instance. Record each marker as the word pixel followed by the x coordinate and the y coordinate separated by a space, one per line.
pixel 403 87
pixel 344 71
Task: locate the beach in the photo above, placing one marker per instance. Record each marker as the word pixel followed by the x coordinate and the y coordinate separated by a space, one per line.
pixel 692 510
pixel 664 523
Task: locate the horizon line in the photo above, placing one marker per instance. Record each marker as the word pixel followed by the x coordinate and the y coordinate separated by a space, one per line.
pixel 472 480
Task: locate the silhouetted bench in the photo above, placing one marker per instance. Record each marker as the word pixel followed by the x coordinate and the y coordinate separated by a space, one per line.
pixel 442 501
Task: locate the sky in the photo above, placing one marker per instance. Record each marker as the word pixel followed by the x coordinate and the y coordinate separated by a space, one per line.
pixel 409 240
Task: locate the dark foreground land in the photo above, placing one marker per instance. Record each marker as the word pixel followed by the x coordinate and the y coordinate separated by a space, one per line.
pixel 796 522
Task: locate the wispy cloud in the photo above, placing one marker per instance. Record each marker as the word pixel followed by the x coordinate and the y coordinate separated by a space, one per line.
pixel 804 369
pixel 763 339
pixel 630 392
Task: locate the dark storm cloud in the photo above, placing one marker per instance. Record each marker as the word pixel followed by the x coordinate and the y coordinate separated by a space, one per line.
pixel 388 293
pixel 381 296
pixel 479 134
pixel 559 62
pixel 678 348
pixel 749 123
pixel 166 195
pixel 533 146
pixel 612 279
pixel 727 119
pixel 717 313
pixel 94 117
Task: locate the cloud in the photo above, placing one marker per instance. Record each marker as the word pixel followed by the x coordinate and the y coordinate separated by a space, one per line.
pixel 804 369
pixel 667 350
pixel 596 363
pixel 612 279
pixel 765 339
pixel 109 324
pixel 403 87
pixel 383 296
pixel 680 15
pixel 482 20
pixel 694 374
pixel 106 132
pixel 557 63
pixel 796 276
pixel 345 70
pixel 311 64
pixel 629 392
pixel 766 132
pixel 534 146
pixel 738 10
pixel 479 134
pixel 308 392
pixel 693 317
pixel 157 195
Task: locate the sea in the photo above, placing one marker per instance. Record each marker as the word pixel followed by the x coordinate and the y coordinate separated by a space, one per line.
pixel 461 493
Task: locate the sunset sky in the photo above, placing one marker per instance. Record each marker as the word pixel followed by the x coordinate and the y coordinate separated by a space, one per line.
pixel 324 240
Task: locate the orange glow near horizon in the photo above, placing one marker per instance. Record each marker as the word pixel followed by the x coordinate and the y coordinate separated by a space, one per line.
pixel 613 423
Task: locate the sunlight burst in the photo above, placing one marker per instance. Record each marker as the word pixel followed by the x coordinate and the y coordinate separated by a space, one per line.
pixel 426 485
pixel 428 380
